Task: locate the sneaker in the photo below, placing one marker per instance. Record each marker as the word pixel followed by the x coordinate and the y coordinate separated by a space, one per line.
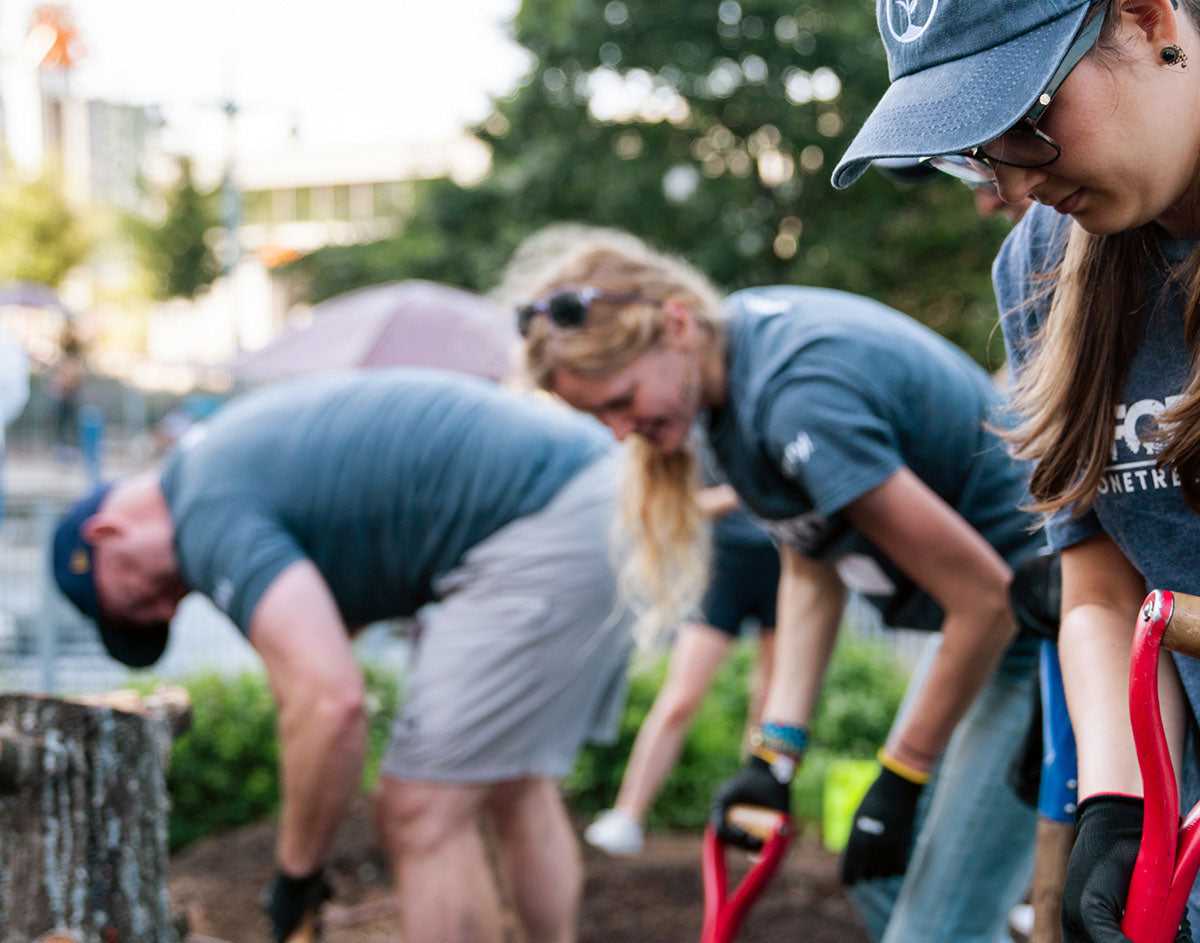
pixel 1020 923
pixel 616 832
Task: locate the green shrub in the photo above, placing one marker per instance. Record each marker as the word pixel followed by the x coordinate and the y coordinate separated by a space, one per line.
pixel 225 769
pixel 862 690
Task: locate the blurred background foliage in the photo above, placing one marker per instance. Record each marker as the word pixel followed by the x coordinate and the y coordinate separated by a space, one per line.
pixel 175 249
pixel 710 128
pixel 224 770
pixel 43 237
pixel 860 696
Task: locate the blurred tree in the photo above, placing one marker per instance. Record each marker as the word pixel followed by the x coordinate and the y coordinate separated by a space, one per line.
pixel 709 127
pixel 43 238
pixel 176 252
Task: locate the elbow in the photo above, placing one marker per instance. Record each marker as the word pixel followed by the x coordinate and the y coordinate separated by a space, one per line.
pixel 338 707
pixel 991 611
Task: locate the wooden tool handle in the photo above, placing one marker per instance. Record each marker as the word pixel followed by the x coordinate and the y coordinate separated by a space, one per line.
pixel 306 929
pixel 756 820
pixel 1182 633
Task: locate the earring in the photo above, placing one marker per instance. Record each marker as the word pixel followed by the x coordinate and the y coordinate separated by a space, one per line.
pixel 1173 55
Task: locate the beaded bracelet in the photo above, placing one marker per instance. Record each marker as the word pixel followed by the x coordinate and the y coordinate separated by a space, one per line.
pixel 784 738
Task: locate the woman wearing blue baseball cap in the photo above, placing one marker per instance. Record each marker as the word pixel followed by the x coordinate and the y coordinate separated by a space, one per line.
pixel 1091 110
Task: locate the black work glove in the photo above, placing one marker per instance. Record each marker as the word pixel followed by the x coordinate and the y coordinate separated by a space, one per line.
pixel 287 899
pixel 1036 594
pixel 1108 832
pixel 754 784
pixel 1025 771
pixel 882 834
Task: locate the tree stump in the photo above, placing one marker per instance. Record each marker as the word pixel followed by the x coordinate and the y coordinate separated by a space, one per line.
pixel 83 817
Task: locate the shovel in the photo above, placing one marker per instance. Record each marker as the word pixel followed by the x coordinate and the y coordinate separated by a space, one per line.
pixel 722 913
pixel 1169 856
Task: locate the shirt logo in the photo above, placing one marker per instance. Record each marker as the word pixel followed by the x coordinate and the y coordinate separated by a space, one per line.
pixel 1133 467
pixel 907 20
pixel 797 453
pixel 79 562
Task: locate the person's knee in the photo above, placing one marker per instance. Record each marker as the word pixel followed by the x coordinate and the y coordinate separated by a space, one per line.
pixel 414 819
pixel 680 701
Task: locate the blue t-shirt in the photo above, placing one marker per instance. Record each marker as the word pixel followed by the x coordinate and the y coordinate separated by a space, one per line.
pixel 733 530
pixel 1139 506
pixel 382 479
pixel 829 394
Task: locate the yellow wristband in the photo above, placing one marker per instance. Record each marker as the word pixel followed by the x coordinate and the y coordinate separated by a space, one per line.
pixel 901 769
pixel 783 767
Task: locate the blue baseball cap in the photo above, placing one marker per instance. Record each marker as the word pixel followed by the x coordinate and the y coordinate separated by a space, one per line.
pixel 71 561
pixel 963 72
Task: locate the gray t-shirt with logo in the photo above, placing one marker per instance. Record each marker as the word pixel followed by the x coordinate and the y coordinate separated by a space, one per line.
pixel 382 479
pixel 1140 506
pixel 828 395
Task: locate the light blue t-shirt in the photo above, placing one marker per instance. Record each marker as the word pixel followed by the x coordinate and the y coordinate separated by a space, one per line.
pixel 1141 507
pixel 828 395
pixel 382 479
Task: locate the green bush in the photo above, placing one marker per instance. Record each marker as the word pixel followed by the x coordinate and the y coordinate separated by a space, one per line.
pixel 862 691
pixel 225 769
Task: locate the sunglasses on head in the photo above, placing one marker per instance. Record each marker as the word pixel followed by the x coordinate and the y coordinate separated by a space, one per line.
pixel 568 308
pixel 1022 145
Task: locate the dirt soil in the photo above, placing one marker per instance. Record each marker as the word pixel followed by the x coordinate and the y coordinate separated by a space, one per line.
pixel 654 898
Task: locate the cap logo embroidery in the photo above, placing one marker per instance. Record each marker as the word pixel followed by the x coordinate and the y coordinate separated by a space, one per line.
pixel 79 563
pixel 905 21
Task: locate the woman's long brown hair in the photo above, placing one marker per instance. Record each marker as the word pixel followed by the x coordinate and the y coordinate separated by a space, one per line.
pixel 1070 387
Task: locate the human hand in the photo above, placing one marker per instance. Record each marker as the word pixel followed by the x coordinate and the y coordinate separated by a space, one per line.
pixel 757 783
pixel 717 500
pixel 287 900
pixel 1108 833
pixel 882 834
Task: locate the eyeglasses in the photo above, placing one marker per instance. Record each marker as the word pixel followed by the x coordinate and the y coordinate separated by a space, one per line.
pixel 569 307
pixel 1022 145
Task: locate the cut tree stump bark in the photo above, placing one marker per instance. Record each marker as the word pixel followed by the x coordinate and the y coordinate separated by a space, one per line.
pixel 83 817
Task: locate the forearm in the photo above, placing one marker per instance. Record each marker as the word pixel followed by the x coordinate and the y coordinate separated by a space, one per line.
pixel 811 598
pixel 1094 648
pixel 973 642
pixel 323 745
pixel 320 697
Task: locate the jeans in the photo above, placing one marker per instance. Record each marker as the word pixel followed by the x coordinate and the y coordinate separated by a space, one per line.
pixel 972 860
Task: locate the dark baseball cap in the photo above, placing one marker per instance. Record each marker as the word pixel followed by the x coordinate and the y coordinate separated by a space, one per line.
pixel 71 559
pixel 963 72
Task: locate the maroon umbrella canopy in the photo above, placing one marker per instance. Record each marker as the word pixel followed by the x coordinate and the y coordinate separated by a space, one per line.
pixel 409 324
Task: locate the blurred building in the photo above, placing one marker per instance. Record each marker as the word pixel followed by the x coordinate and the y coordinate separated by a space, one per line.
pixel 290 203
pixel 280 205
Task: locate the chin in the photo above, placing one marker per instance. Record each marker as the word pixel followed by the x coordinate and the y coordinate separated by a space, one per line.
pixel 1098 225
pixel 671 442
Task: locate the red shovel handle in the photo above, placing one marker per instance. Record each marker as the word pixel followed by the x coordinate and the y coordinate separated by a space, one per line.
pixel 723 914
pixel 1169 856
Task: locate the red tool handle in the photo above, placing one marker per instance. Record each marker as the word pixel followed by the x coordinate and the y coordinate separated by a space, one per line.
pixel 723 914
pixel 1169 856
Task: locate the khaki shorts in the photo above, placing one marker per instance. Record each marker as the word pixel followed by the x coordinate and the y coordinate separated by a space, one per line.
pixel 523 657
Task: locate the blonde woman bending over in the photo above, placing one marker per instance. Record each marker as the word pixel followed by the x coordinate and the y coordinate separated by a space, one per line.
pixel 861 438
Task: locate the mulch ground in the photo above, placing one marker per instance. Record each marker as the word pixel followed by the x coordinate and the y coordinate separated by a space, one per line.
pixel 654 898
